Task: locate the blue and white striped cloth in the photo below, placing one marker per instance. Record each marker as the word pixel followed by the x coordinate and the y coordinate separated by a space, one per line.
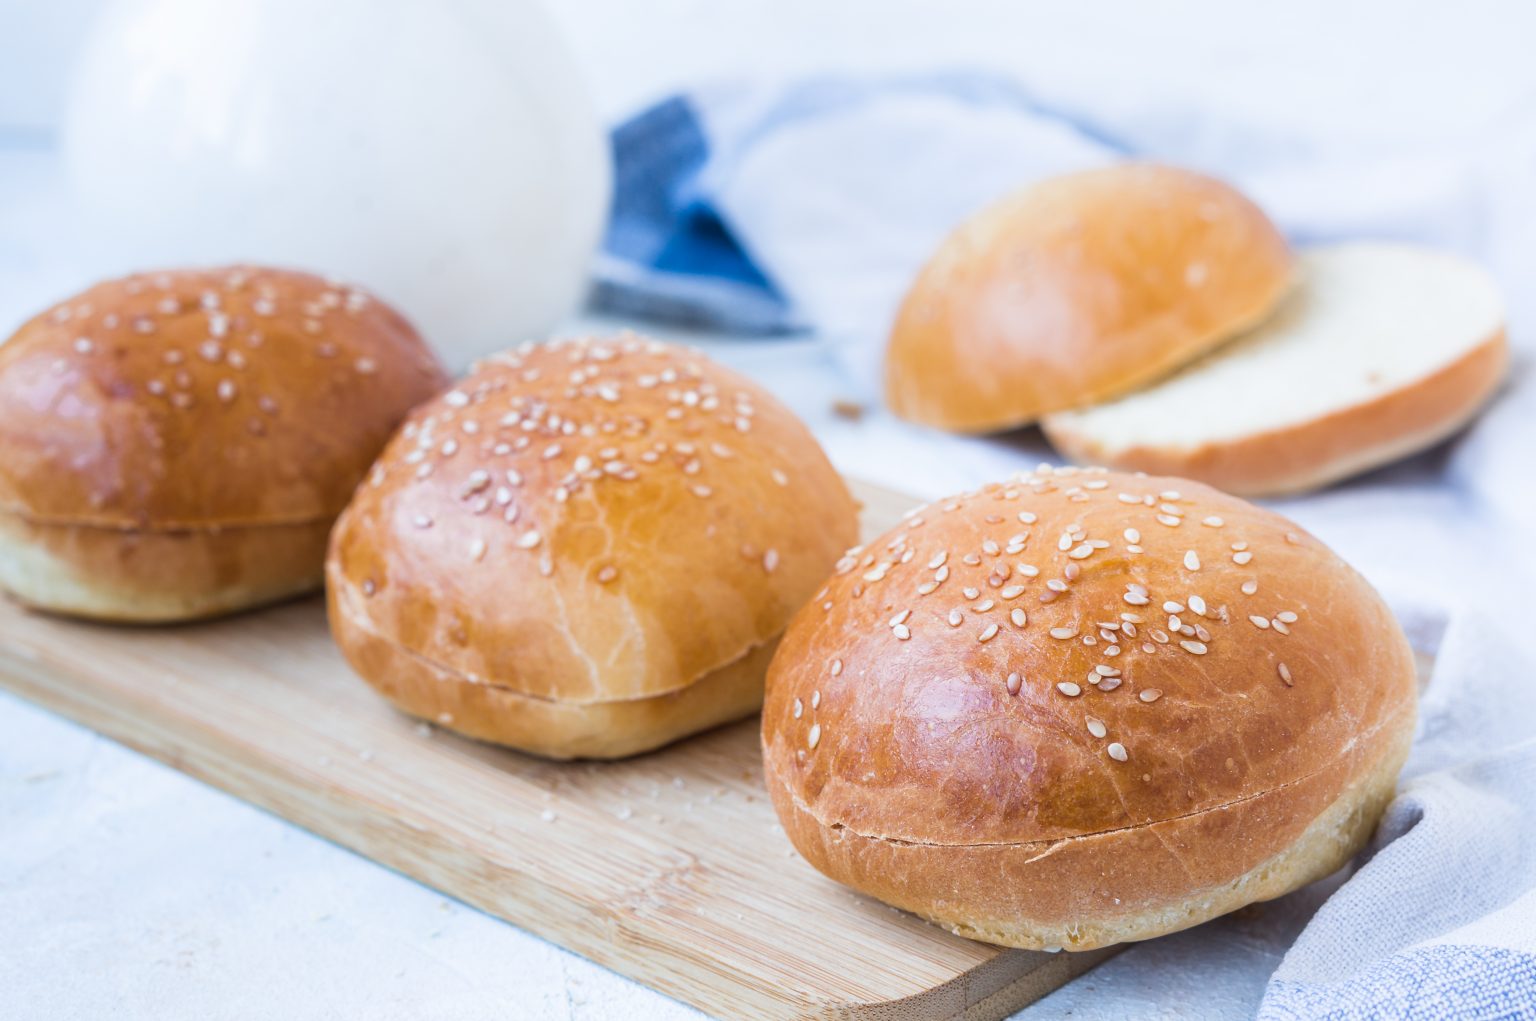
pixel 808 207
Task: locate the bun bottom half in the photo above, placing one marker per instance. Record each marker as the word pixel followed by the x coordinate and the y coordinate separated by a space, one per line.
pixel 150 576
pixel 1082 893
pixel 1316 453
pixel 552 728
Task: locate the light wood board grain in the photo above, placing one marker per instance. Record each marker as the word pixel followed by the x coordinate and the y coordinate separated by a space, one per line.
pixel 669 868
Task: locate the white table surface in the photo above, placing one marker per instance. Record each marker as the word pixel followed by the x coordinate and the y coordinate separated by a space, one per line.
pixel 132 891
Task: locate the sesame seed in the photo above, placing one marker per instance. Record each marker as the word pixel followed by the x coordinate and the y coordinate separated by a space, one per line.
pixel 1279 625
pixel 1069 689
pixel 1250 587
pixel 1169 520
pixel 956 618
pixel 814 737
pixel 984 606
pixel 1132 535
pixel 1197 605
pixel 1192 560
pixel 477 549
pixel 1096 726
pixel 607 574
pixel 422 521
pixel 1117 751
pixel 902 632
pixel 226 391
pixel 1064 633
pixel 1286 616
pixel 1136 598
pixel 837 667
pixel 1012 591
pixel 1018 617
pixel 529 539
pixel 1241 558
pixel 1013 683
pixel 1080 552
pixel 1198 648
pixel 1262 623
pixel 1285 674
pixel 816 699
pixel 771 561
pixel 938 560
pixel 1213 522
pixel 799 709
pixel 1150 694
pixel 987 633
pixel 900 618
pixel 1027 517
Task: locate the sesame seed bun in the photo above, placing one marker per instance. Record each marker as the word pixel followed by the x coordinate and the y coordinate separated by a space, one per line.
pixel 1083 707
pixel 586 548
pixel 1076 290
pixel 176 445
pixel 1383 350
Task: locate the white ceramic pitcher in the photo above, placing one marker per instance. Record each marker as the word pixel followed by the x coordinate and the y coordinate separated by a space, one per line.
pixel 442 152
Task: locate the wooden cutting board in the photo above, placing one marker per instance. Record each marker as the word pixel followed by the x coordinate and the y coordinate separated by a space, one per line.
pixel 669 868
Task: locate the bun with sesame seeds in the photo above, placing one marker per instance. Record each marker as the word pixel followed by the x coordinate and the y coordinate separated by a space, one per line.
pixel 176 445
pixel 587 548
pixel 1081 708
pixel 1076 290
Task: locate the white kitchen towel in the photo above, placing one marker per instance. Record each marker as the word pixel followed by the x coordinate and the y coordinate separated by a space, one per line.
pixel 834 190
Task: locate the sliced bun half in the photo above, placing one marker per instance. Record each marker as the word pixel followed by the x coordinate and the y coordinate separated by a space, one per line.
pixel 1076 290
pixel 1383 350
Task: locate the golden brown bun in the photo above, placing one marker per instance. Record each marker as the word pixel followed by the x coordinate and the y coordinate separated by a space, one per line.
pixel 1076 290
pixel 1197 772
pixel 593 532
pixel 177 444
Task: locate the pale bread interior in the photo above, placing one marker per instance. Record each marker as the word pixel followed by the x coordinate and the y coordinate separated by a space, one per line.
pixel 1364 320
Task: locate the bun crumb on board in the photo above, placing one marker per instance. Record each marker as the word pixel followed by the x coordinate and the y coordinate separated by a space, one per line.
pixel 1076 290
pixel 1082 707
pixel 176 445
pixel 586 548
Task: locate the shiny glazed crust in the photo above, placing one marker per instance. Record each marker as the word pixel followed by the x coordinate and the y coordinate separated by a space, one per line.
pixel 1005 735
pixel 585 522
pixel 155 425
pixel 1076 290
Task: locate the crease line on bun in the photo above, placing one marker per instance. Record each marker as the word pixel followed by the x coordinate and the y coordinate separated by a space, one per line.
pixel 1111 831
pixel 362 620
